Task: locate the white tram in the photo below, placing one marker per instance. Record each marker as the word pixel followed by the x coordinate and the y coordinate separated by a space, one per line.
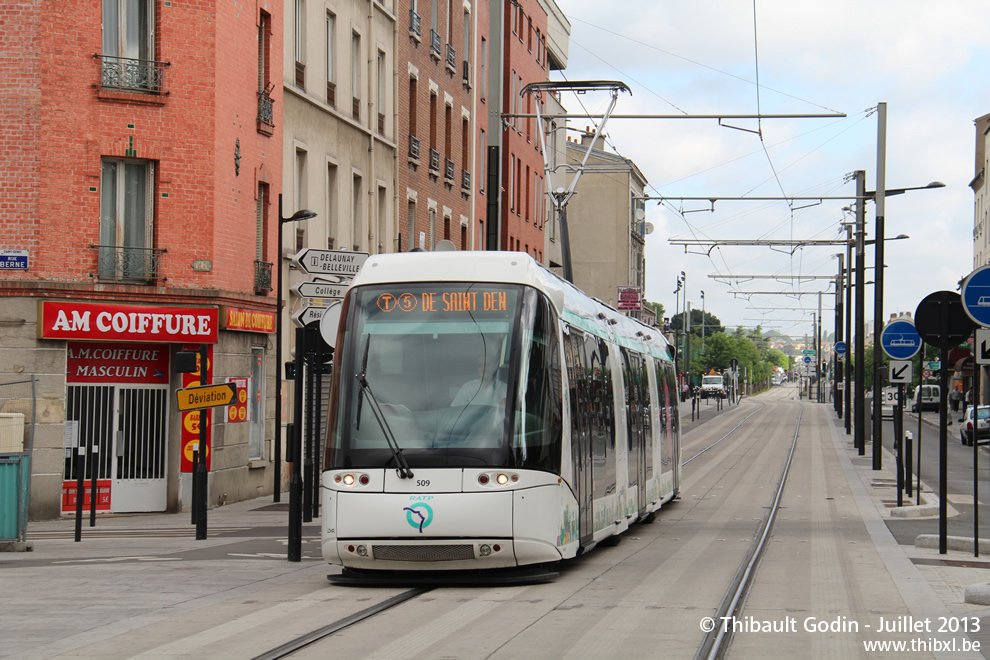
pixel 486 414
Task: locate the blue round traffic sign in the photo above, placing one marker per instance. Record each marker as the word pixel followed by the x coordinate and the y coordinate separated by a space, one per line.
pixel 900 339
pixel 840 348
pixel 975 295
pixel 807 359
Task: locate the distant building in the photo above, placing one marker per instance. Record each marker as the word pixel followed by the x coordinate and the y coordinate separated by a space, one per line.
pixel 981 203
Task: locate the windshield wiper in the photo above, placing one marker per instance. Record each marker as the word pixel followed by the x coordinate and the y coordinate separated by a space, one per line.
pixel 403 469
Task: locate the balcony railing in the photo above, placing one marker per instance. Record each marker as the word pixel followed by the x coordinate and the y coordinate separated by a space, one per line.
pixel 262 276
pixel 131 74
pixel 415 24
pixel 266 108
pixel 414 147
pixel 451 58
pixel 448 169
pixel 129 263
pixel 434 160
pixel 465 180
pixel 435 43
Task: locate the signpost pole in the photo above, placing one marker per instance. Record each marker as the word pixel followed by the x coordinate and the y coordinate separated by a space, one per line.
pixel 976 454
pixel 200 477
pixel 294 551
pixel 921 362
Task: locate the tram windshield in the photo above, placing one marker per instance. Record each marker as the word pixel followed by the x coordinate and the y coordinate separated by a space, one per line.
pixel 465 374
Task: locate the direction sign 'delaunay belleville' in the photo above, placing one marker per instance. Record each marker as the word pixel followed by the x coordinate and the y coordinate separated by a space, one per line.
pixel 330 262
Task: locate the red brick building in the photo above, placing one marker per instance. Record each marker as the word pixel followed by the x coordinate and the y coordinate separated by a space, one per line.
pixel 435 123
pixel 142 161
pixel 514 51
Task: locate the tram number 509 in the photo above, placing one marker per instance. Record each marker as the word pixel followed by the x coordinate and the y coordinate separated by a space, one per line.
pixel 422 482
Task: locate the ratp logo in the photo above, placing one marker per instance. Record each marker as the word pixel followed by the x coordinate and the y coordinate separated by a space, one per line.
pixel 419 515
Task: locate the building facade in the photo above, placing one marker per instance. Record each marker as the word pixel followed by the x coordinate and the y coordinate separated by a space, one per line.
pixel 144 160
pixel 605 223
pixel 436 115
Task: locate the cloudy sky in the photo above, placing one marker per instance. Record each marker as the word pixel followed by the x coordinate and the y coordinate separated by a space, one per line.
pixel 927 60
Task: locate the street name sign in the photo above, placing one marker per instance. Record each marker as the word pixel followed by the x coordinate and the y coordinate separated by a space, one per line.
pixel 900 372
pixel 330 262
pixel 13 259
pixel 206 396
pixel 900 339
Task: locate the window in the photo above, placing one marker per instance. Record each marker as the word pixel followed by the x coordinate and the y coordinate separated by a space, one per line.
pixel 301 192
pixel 512 181
pixel 331 214
pixel 331 60
pixel 483 69
pixel 129 45
pixel 256 404
pixel 358 214
pixel 356 76
pixel 525 202
pixel 299 43
pixel 262 267
pixel 266 105
pixel 433 226
pixel 482 162
pixel 412 114
pixel 127 220
pixel 411 224
pixel 380 101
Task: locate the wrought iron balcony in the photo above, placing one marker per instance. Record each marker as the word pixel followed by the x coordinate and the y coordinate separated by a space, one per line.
pixel 414 147
pixel 262 276
pixel 448 169
pixel 451 58
pixel 266 108
pixel 129 263
pixel 131 74
pixel 465 180
pixel 435 43
pixel 415 24
pixel 434 160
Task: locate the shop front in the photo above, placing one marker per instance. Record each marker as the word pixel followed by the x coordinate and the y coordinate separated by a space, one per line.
pixel 119 397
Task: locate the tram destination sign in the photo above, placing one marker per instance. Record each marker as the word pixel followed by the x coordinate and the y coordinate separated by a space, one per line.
pixel 329 262
pixel 206 396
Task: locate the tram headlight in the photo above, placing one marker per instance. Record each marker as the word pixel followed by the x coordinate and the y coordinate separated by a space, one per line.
pixel 348 479
pixel 502 479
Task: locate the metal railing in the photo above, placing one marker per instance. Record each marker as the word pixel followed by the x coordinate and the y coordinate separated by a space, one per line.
pixel 448 169
pixel 262 276
pixel 414 147
pixel 451 58
pixel 465 179
pixel 435 43
pixel 434 160
pixel 116 262
pixel 415 24
pixel 130 74
pixel 266 108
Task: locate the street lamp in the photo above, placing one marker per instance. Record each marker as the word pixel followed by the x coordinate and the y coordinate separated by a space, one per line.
pixel 302 214
pixel 878 312
pixel 702 322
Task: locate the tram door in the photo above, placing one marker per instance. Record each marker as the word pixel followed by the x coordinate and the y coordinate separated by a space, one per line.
pixel 580 403
pixel 139 449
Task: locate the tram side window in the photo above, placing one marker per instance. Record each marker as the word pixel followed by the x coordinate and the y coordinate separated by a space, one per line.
pixel 538 424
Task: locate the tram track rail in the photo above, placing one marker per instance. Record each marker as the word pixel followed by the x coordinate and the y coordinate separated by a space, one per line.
pixel 301 642
pixel 718 640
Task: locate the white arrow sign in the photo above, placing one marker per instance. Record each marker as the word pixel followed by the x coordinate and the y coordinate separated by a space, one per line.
pixel 319 290
pixel 330 262
pixel 983 346
pixel 307 315
pixel 900 371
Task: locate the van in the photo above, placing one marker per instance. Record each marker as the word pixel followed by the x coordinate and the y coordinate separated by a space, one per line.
pixel 926 397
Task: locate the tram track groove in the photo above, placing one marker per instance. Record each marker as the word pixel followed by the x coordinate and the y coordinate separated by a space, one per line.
pixel 720 636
